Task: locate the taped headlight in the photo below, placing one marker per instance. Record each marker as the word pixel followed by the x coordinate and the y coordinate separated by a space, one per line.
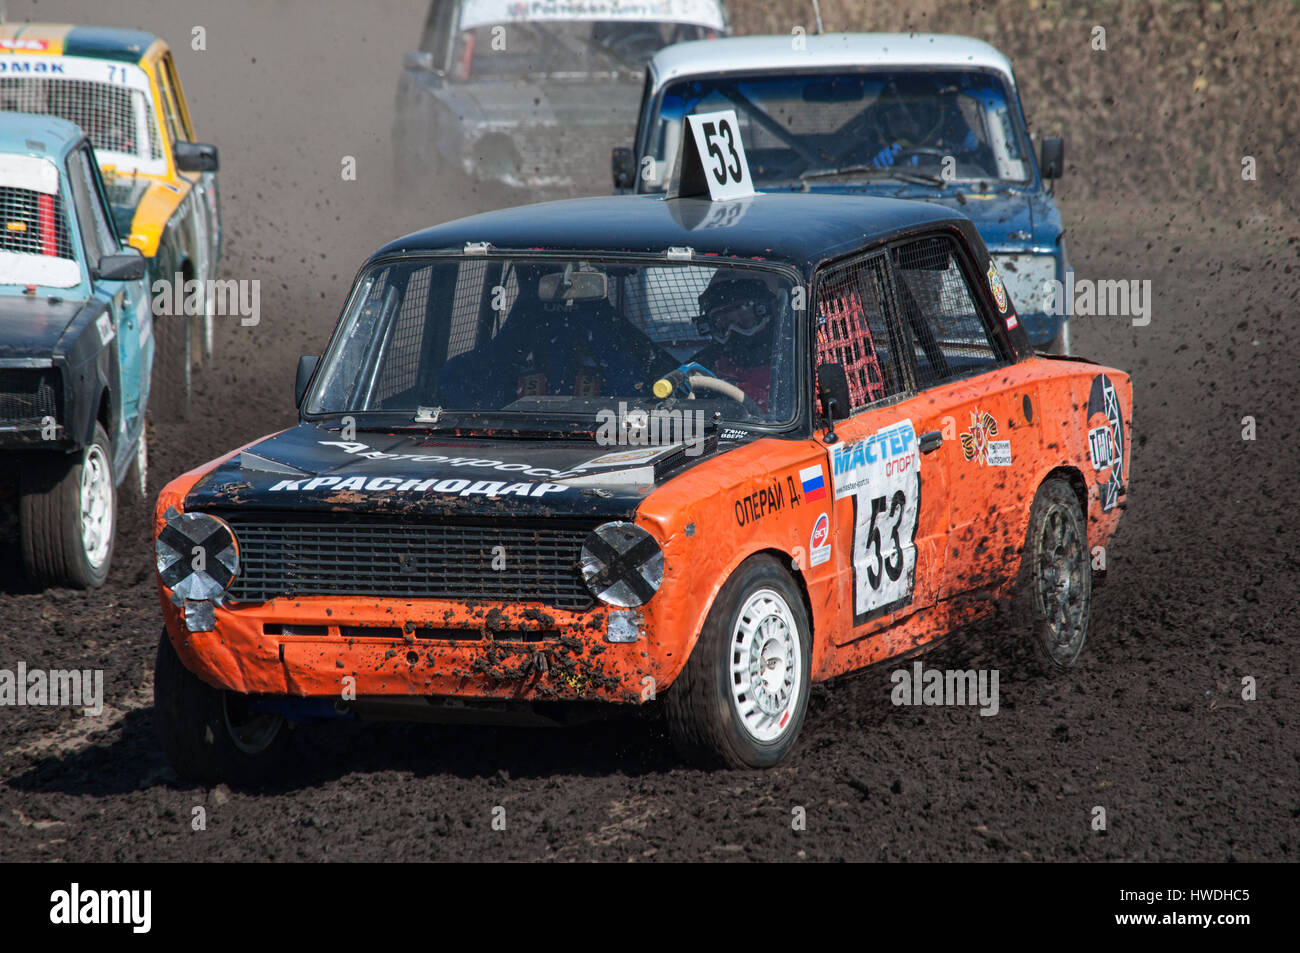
pixel 197 556
pixel 622 564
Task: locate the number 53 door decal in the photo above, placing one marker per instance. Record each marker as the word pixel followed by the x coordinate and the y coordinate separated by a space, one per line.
pixel 882 475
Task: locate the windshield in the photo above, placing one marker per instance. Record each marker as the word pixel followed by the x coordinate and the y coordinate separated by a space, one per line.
pixel 111 102
pixel 839 127
pixel 35 240
pixel 559 338
pixel 559 48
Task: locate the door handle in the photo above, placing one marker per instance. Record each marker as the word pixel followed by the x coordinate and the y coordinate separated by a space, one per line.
pixel 930 441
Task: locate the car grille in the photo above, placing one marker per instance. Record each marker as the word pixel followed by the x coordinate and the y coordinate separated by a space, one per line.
pixel 28 396
pixel 299 557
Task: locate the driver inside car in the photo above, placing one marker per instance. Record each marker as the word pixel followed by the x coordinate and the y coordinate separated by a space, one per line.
pixel 738 314
pixel 913 115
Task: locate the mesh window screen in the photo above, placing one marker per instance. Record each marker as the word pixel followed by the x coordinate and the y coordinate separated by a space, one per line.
pixel 465 307
pixel 663 302
pixel 401 362
pixel 33 223
pixel 851 330
pixel 117 118
pixel 948 337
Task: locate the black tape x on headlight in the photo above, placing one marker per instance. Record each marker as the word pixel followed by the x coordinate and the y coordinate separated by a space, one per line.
pixel 622 564
pixel 198 557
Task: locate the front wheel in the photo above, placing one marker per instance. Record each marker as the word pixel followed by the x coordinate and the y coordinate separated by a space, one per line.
pixel 68 516
pixel 741 699
pixel 209 734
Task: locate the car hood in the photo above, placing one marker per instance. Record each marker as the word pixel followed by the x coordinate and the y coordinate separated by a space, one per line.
pixel 1005 219
pixel 312 469
pixel 33 327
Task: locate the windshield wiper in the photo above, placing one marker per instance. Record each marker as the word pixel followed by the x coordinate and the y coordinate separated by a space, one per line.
pixel 873 171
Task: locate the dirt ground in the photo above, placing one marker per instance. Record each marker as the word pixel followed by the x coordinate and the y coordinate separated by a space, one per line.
pixel 1202 589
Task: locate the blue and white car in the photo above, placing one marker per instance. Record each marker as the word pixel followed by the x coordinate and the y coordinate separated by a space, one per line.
pixel 917 116
pixel 76 350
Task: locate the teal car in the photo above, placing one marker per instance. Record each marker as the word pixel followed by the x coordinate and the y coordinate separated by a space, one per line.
pixel 76 351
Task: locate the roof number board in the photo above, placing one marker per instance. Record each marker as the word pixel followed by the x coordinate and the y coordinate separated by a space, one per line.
pixel 713 158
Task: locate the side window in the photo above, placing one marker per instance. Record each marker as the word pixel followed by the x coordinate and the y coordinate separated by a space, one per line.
pixel 96 231
pixel 175 131
pixel 185 129
pixel 852 330
pixel 437 29
pixel 940 313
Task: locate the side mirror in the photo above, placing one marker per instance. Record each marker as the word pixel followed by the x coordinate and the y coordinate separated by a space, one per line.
pixel 195 157
pixel 833 393
pixel 623 165
pixel 419 61
pixel 126 265
pixel 306 368
pixel 1051 162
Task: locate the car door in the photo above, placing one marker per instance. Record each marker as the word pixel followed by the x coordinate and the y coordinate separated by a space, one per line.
pixel 203 184
pixel 128 301
pixel 960 373
pixel 889 502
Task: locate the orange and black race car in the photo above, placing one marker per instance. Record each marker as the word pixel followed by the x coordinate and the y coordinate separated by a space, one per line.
pixel 633 448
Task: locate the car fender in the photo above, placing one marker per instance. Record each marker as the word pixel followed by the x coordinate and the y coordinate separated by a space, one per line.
pixel 160 215
pixel 713 518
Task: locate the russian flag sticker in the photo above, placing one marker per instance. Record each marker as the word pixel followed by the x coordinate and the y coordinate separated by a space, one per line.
pixel 814 483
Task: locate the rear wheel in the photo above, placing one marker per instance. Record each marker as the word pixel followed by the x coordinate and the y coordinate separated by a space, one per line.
pixel 209 734
pixel 68 515
pixel 742 697
pixel 1055 599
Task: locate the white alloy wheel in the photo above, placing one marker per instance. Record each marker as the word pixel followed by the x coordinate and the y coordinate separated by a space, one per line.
pixel 766 665
pixel 96 505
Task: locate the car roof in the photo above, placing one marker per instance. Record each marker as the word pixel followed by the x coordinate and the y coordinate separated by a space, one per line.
pixel 38 135
pixel 708 13
pixel 66 39
pixel 797 229
pixel 821 51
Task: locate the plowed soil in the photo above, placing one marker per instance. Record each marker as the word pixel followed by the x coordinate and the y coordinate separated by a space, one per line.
pixel 1152 726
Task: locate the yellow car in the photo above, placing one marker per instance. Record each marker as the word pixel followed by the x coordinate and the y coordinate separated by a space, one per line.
pixel 122 89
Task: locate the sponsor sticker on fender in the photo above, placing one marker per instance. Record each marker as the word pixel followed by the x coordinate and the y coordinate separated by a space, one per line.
pixel 819 542
pixel 976 445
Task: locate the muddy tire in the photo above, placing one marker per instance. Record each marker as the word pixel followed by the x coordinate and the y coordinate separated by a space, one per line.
pixel 208 734
pixel 1053 603
pixel 68 516
pixel 743 695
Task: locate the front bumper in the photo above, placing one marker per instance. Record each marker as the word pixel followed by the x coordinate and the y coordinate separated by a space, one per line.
pixel 326 647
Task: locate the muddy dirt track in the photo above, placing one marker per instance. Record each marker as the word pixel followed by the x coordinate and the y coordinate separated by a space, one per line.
pixel 1203 587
